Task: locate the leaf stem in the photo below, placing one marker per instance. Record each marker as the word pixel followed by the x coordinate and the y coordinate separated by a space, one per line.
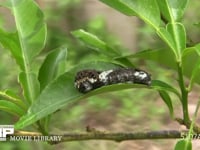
pixel 184 93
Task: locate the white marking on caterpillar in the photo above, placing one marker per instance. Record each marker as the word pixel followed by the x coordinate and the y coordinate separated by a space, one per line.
pixel 103 76
pixel 142 75
pixel 92 80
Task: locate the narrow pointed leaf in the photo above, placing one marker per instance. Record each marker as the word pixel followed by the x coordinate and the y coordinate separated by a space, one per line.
pixel 177 31
pixel 95 43
pixel 145 9
pixel 195 74
pixel 31 31
pixel 177 8
pixel 165 10
pixel 196 70
pixel 116 4
pixel 173 10
pixel 30 85
pixel 11 96
pixel 162 86
pixel 167 37
pixel 32 37
pixel 11 42
pixel 50 67
pixel 11 108
pixel 190 63
pixel 160 56
pixel 197 47
pixel 166 98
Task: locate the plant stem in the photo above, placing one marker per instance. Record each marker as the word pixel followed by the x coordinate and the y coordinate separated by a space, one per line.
pixel 196 128
pixel 41 128
pixel 184 93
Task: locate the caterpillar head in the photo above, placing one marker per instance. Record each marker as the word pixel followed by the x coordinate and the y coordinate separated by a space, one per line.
pixel 86 80
pixel 142 77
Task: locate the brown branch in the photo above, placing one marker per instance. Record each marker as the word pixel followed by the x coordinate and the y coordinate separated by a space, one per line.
pixel 98 135
pixel 119 137
pixel 93 134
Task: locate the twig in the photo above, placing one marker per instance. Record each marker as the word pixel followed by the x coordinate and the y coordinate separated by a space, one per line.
pixel 26 133
pixel 101 135
pixel 119 137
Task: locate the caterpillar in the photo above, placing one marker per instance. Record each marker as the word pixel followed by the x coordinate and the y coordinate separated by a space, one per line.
pixel 90 79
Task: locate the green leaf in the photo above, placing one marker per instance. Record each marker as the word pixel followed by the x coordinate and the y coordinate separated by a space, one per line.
pixel 116 4
pixel 194 65
pixel 62 91
pixel 165 10
pixel 124 61
pixel 162 86
pixel 188 51
pixel 11 42
pixel 197 47
pixel 11 96
pixel 32 37
pixel 11 108
pixel 190 63
pixel 183 145
pixel 95 43
pixel 165 96
pixel 172 10
pixel 178 8
pixel 195 75
pixel 177 31
pixel 175 37
pixel 30 85
pixel 161 56
pixel 147 10
pixel 31 32
pixel 167 37
pixel 50 67
pixel 100 46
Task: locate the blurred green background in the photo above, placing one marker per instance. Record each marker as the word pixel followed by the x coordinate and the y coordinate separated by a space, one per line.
pixel 127 110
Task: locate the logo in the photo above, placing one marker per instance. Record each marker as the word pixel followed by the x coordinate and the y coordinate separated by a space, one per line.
pixel 5 130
